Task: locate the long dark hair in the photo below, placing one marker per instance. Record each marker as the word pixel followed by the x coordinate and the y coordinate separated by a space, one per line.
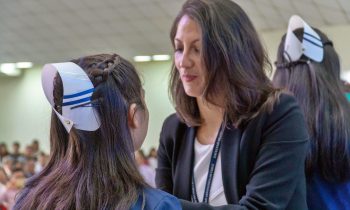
pixel 235 60
pixel 92 170
pixel 318 90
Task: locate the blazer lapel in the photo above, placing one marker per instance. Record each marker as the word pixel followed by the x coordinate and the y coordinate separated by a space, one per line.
pixel 229 163
pixel 183 171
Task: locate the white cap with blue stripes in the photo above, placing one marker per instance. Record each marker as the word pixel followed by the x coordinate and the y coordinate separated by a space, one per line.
pixel 77 92
pixel 311 46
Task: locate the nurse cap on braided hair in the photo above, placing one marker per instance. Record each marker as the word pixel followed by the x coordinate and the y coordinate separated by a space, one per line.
pixel 311 45
pixel 77 93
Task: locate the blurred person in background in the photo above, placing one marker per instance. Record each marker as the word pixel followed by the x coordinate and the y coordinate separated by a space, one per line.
pixel 28 152
pixel 29 167
pixel 13 186
pixel 147 172
pixel 41 163
pixel 152 158
pixel 8 165
pixel 16 154
pixel 3 181
pixel 36 148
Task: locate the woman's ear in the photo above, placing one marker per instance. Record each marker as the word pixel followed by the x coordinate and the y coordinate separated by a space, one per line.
pixel 133 120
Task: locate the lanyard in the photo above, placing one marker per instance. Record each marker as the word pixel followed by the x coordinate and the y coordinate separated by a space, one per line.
pixel 212 164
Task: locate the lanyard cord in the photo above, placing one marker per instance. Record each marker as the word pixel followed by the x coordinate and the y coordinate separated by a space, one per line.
pixel 212 165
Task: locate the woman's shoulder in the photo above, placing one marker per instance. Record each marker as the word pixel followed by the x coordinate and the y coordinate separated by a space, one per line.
pixel 283 104
pixel 173 126
pixel 285 119
pixel 275 106
pixel 154 199
pixel 173 120
pixel 285 101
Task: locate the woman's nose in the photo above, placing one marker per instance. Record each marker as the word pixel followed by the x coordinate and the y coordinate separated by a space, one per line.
pixel 186 60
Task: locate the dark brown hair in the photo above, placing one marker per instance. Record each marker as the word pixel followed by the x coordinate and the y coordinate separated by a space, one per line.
pixel 235 61
pixel 318 90
pixel 92 170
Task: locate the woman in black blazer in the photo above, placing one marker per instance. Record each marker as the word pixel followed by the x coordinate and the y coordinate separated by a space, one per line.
pixel 236 142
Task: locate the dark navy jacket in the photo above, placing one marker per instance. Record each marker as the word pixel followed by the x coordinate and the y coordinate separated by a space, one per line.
pixel 323 195
pixel 153 199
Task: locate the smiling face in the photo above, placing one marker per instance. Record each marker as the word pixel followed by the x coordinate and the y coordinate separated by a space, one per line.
pixel 188 56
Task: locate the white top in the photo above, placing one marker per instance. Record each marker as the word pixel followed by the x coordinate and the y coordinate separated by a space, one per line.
pixel 148 174
pixel 202 159
pixel 153 162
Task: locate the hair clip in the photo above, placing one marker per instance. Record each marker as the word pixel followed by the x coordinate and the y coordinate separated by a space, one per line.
pixel 292 64
pixel 282 65
pixel 93 103
pixel 328 43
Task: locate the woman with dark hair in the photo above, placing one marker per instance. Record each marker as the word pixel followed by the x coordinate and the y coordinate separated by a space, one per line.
pixel 309 67
pixel 236 142
pixel 99 119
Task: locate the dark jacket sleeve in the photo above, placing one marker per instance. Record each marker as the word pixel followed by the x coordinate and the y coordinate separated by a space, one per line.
pixel 164 179
pixel 277 179
pixel 278 174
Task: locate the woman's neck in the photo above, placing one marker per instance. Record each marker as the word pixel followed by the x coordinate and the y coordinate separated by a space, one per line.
pixel 212 117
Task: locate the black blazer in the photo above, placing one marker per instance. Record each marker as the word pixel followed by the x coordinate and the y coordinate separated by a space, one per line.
pixel 262 163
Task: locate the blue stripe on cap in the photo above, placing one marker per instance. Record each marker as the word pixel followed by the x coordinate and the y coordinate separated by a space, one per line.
pixel 308 40
pixel 79 94
pixel 77 101
pixel 305 33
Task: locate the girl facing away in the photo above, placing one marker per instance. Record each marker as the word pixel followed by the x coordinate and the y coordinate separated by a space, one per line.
pixel 99 119
pixel 309 67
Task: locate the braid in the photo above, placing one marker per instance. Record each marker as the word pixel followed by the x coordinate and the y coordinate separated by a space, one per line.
pixel 99 72
pixel 289 65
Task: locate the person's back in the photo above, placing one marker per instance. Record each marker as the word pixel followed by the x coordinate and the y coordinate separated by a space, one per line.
pixel 325 195
pixel 308 66
pixel 155 199
pixel 99 119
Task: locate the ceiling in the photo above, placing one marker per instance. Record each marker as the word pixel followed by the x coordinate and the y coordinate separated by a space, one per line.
pixel 44 31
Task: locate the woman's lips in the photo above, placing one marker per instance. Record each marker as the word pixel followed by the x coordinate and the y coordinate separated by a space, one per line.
pixel 188 77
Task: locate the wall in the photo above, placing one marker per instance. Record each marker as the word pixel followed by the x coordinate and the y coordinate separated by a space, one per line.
pixel 24 111
pixel 155 77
